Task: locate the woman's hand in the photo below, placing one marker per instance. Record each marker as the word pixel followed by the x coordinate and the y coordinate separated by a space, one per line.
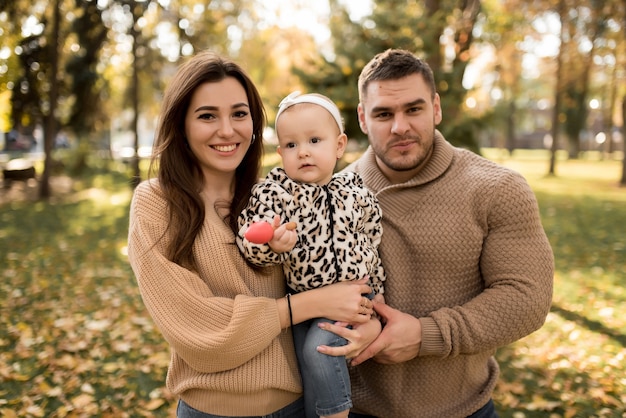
pixel 342 301
pixel 359 337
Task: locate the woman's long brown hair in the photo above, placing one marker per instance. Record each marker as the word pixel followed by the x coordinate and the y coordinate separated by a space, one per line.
pixel 178 171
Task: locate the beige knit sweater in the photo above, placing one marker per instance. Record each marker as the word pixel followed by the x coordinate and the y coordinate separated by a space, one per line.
pixel 465 252
pixel 228 353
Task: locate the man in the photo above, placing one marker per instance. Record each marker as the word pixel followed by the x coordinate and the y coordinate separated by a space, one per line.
pixel 468 263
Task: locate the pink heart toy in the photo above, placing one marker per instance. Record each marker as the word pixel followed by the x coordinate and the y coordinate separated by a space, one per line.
pixel 259 232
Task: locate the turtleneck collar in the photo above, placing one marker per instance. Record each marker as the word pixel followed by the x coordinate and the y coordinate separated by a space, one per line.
pixel 438 162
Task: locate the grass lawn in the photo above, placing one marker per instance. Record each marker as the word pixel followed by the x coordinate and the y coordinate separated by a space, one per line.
pixel 76 341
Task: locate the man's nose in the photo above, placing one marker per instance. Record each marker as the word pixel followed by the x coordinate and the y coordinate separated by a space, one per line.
pixel 400 124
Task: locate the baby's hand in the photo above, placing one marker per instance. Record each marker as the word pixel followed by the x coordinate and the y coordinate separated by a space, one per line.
pixel 285 236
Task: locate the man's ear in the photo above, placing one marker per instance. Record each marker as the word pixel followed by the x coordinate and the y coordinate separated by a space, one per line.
pixel 361 114
pixel 437 112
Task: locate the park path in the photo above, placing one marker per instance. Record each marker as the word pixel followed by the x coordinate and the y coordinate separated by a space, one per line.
pixel 20 191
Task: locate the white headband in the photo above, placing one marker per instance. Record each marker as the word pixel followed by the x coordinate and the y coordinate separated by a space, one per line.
pixel 296 97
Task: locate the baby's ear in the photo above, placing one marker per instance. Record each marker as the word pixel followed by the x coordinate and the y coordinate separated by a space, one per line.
pixel 342 142
pixel 279 151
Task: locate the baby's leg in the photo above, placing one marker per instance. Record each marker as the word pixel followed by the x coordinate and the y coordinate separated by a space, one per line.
pixel 328 375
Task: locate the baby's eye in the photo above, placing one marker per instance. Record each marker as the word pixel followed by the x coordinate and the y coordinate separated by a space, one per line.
pixel 290 145
pixel 315 140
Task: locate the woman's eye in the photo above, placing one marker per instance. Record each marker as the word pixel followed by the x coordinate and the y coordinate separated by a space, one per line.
pixel 205 116
pixel 241 114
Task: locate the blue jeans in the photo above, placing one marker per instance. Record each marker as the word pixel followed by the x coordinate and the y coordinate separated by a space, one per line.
pixel 487 411
pixel 325 379
pixel 294 410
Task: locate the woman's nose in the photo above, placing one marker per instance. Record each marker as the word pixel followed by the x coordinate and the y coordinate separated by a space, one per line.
pixel 226 128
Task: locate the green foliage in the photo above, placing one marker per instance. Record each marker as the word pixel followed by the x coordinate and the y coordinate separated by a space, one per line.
pixel 337 77
pixel 574 365
pixel 76 340
pixel 86 84
pixel 75 336
pixel 464 133
pixel 395 24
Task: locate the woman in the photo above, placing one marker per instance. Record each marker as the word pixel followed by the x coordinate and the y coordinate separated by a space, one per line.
pixel 226 321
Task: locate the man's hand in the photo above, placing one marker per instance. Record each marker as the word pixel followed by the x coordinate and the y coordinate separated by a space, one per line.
pixel 399 340
pixel 359 336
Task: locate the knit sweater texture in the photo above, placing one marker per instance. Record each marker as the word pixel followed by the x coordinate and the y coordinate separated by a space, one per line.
pixel 465 252
pixel 229 355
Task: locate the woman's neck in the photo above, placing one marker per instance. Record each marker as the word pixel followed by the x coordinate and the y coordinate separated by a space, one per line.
pixel 218 191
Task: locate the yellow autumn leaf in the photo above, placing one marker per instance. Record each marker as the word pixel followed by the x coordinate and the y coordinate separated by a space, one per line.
pixel 111 367
pixel 540 404
pixel 8 413
pixel 35 410
pixel 154 404
pixel 82 400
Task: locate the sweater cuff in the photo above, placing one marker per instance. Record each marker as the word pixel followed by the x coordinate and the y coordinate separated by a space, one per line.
pixel 432 340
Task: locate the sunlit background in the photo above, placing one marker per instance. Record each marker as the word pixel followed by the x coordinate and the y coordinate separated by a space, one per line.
pixel 504 62
pixel 538 86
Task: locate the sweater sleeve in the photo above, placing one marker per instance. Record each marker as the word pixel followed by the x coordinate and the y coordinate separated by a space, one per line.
pixel 265 202
pixel 211 333
pixel 374 227
pixel 517 268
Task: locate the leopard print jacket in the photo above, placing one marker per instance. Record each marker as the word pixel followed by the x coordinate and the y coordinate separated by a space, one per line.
pixel 339 229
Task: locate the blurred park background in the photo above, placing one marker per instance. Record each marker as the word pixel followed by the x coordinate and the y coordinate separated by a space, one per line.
pixel 539 86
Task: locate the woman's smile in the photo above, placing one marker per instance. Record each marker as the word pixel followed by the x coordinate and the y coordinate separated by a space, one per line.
pixel 225 148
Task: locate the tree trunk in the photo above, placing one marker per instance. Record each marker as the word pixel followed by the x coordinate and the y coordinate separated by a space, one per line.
pixel 136 179
pixel 609 111
pixel 510 127
pixel 623 180
pixel 50 128
pixel 435 58
pixel 557 94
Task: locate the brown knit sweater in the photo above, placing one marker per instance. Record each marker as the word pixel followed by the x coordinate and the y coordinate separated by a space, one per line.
pixel 465 252
pixel 228 353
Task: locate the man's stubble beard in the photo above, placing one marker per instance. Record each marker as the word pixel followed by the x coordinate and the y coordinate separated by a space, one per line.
pixel 405 162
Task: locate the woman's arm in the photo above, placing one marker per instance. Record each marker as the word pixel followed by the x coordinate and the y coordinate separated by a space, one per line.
pixel 215 319
pixel 340 302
